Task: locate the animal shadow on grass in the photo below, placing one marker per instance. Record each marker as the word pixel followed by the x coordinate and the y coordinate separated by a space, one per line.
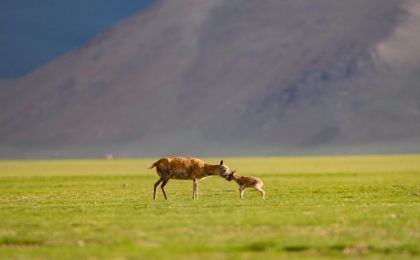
pixel 261 246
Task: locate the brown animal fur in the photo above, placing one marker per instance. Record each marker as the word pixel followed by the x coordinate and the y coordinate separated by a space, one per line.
pixel 246 182
pixel 182 168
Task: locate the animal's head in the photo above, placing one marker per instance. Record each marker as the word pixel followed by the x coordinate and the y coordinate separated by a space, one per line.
pixel 223 169
pixel 230 176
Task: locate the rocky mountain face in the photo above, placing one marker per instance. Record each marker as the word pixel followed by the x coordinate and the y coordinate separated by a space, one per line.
pixel 227 77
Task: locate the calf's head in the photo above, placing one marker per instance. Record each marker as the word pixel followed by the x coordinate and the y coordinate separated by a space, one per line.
pixel 230 176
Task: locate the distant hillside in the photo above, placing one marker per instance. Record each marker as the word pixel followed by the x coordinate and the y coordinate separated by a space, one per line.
pixel 34 32
pixel 228 77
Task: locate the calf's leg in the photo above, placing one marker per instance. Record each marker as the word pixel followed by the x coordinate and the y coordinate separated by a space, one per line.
pixel 261 191
pixel 241 192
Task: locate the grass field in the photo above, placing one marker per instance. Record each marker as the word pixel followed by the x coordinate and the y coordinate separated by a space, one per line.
pixel 315 206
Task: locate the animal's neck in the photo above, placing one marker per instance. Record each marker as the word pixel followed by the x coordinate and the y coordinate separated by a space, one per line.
pixel 211 169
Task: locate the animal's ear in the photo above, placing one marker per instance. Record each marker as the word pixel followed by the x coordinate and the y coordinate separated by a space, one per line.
pixel 233 172
pixel 221 162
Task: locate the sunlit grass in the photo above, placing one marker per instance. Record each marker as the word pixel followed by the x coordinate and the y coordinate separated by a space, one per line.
pixel 315 206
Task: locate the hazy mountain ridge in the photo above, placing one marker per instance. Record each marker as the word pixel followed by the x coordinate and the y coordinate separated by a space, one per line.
pixel 219 77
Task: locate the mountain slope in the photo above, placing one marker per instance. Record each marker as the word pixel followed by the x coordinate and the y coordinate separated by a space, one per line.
pixel 226 77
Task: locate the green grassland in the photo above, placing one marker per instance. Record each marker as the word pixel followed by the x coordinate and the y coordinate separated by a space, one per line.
pixel 351 206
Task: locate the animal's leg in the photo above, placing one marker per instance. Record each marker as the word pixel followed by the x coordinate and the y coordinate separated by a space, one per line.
pixel 261 191
pixel 163 186
pixel 241 192
pixel 195 189
pixel 154 190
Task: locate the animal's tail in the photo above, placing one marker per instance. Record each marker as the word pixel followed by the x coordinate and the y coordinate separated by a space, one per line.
pixel 152 165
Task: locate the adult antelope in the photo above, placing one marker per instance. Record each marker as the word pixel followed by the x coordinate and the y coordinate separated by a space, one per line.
pixel 182 168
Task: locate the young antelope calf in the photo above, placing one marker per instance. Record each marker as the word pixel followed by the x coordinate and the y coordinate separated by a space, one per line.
pixel 246 182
